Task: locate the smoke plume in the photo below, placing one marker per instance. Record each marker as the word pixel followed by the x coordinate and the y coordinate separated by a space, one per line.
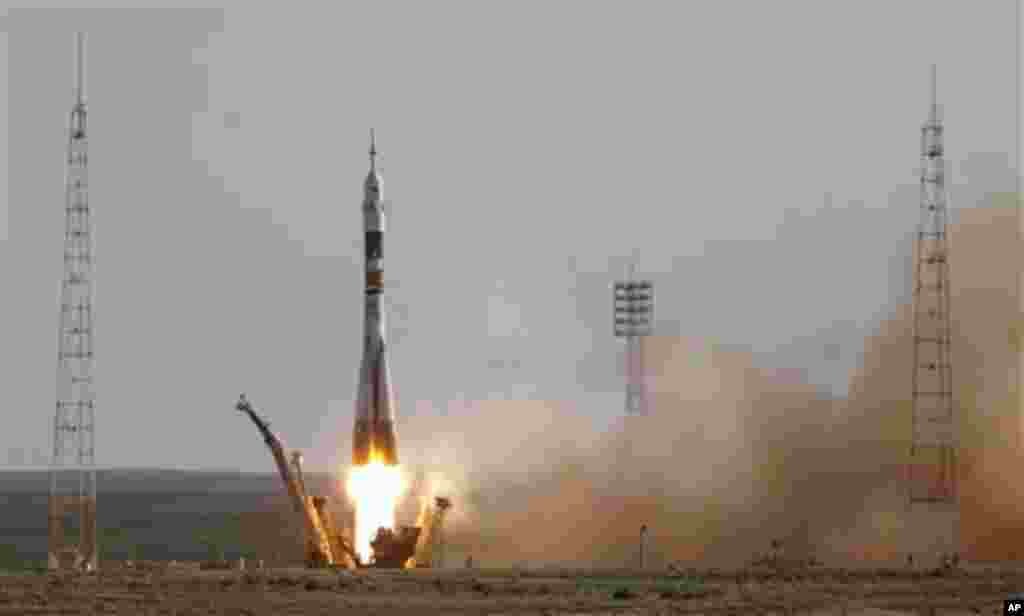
pixel 733 456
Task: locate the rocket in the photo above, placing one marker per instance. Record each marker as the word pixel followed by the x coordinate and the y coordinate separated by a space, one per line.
pixel 373 439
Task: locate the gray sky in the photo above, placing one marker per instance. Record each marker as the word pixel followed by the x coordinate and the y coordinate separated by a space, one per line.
pixel 527 148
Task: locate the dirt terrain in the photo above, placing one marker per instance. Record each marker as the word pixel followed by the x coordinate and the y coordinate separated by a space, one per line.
pixel 187 590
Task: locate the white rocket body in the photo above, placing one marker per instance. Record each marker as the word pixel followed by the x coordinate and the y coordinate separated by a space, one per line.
pixel 374 439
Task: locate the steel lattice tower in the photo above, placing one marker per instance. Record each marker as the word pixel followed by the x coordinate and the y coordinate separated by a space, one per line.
pixel 933 459
pixel 73 472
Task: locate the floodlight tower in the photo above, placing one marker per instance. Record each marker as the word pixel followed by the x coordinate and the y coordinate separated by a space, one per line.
pixel 73 472
pixel 932 480
pixel 633 309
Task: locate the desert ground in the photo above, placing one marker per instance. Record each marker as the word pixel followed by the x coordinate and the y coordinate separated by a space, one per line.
pixel 186 590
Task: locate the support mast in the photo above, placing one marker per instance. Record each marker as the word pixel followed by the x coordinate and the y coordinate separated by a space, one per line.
pixel 73 472
pixel 933 448
pixel 932 486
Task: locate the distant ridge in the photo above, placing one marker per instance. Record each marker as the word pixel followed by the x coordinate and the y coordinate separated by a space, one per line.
pixel 160 480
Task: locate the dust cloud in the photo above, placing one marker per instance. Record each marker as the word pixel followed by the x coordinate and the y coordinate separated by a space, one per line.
pixel 733 456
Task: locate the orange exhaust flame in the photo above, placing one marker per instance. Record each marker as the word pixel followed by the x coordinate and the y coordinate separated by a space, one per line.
pixel 374 489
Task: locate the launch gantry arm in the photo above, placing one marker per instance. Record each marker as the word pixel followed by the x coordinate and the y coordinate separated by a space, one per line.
pixel 431 523
pixel 323 554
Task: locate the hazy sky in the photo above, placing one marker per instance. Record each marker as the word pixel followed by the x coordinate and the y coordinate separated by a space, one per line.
pixel 528 148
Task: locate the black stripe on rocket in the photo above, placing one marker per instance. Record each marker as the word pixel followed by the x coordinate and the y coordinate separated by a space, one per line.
pixel 373 245
pixel 374 253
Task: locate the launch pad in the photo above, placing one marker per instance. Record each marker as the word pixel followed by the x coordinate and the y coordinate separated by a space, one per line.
pixel 392 550
pixel 327 545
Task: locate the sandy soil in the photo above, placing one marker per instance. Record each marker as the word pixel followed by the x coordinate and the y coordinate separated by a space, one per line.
pixel 297 591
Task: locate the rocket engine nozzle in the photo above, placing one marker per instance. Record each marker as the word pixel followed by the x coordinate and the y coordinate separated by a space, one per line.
pixel 374 442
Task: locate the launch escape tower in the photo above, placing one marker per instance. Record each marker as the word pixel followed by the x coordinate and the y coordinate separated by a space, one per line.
pixel 934 442
pixel 72 473
pixel 633 307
